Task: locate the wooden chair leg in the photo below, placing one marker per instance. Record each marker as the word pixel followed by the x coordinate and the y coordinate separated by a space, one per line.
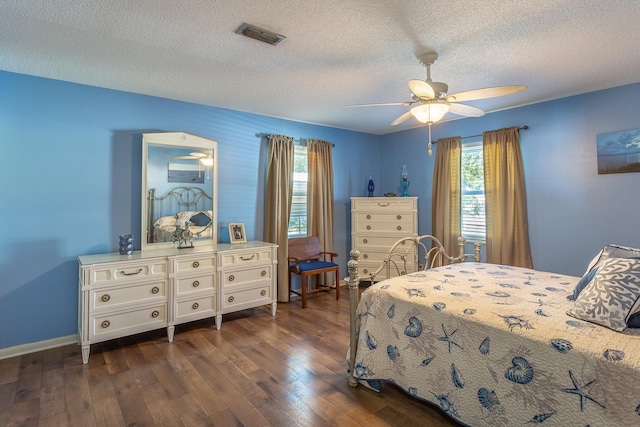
pixel 303 285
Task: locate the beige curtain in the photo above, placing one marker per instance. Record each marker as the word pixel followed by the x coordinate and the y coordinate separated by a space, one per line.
pixel 506 200
pixel 278 205
pixel 445 196
pixel 320 193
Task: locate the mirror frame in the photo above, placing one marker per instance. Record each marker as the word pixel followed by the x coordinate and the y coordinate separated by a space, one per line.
pixel 186 141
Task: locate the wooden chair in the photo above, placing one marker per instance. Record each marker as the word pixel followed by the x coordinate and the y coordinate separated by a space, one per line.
pixel 306 259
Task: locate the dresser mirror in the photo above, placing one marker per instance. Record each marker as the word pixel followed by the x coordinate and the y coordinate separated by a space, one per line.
pixel 179 190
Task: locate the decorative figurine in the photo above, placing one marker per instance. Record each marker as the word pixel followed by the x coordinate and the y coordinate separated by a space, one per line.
pixel 371 185
pixel 405 182
pixel 183 236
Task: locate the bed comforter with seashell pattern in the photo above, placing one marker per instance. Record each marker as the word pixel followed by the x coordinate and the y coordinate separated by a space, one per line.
pixel 492 345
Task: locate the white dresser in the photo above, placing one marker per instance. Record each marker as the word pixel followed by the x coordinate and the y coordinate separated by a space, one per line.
pixel 122 295
pixel 376 224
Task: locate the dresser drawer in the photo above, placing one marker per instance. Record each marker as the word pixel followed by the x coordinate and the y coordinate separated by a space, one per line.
pixel 129 322
pixel 377 256
pixel 386 224
pixel 245 258
pixel 362 242
pixel 195 284
pixel 247 275
pixel 194 265
pixel 116 296
pixel 247 298
pixel 193 309
pixel 127 271
pixel 393 205
pixel 365 269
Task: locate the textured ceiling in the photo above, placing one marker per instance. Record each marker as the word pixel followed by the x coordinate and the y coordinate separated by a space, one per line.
pixel 337 52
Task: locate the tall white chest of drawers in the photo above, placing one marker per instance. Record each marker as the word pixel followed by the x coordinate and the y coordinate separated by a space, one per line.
pixel 122 295
pixel 376 224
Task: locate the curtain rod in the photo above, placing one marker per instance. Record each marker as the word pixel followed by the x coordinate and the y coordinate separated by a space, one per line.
pixel 300 140
pixel 525 127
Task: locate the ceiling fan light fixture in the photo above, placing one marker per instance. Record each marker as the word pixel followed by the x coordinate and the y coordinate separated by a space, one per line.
pixel 430 113
pixel 207 161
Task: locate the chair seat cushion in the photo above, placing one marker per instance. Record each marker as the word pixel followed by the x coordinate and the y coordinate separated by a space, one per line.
pixel 315 265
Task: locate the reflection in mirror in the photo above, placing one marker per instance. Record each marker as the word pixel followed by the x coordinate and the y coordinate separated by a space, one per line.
pixel 179 186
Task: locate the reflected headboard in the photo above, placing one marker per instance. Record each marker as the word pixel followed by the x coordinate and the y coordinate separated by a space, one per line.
pixel 176 200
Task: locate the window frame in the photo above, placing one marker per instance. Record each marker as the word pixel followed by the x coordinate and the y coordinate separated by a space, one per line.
pixel 299 212
pixel 470 235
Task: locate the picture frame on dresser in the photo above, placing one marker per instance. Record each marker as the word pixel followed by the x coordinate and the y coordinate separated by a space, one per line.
pixel 236 233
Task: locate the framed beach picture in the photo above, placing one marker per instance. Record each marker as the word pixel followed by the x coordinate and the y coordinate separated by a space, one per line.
pixel 619 152
pixel 236 232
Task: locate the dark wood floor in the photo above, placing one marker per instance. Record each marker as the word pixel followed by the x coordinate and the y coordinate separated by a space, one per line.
pixel 256 371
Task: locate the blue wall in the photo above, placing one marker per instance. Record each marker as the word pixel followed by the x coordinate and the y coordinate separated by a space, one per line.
pixel 70 160
pixel 573 212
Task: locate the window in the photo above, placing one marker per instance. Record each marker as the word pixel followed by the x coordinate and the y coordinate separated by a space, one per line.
pixel 472 182
pixel 298 217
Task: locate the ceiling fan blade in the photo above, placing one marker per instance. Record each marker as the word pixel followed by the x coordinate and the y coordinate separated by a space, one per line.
pixel 488 92
pixel 381 104
pixel 184 157
pixel 465 110
pixel 402 118
pixel 421 89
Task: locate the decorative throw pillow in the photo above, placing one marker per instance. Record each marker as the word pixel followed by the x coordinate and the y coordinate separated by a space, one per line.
pixel 612 297
pixel 200 219
pixel 165 221
pixel 609 251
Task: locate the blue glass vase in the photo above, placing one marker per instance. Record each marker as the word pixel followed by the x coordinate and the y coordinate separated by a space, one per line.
pixel 371 186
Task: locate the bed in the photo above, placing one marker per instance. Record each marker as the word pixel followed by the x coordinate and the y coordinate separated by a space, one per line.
pixel 177 208
pixel 493 345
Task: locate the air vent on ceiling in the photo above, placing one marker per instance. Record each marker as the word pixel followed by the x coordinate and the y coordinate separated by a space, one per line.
pixel 260 34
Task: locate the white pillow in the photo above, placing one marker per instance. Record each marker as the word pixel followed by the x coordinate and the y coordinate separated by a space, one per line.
pixel 165 221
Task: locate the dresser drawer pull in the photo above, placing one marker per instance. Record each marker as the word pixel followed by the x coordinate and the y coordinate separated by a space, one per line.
pixel 155 313
pixel 248 259
pixel 365 256
pixel 232 278
pixel 383 204
pixel 368 227
pixel 195 306
pixel 263 292
pixel 368 216
pixel 365 241
pixel 195 264
pixel 105 324
pixel 263 273
pixel 230 299
pixel 365 271
pixel 195 284
pixel 105 298
pixel 399 217
pixel 399 228
pixel 131 274
pixel 155 290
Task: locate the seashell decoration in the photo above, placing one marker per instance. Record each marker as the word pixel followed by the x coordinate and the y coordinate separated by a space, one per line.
pixel 488 399
pixel 439 306
pixel 541 312
pixel 613 355
pixel 456 377
pixel 414 328
pixel 485 346
pixel 393 352
pixel 371 341
pixel 498 294
pixel 638 409
pixel 540 418
pixel 469 311
pixel 520 372
pixel 561 345
pixel 391 312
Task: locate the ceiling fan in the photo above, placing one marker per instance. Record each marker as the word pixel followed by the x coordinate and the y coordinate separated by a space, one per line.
pixel 434 101
pixel 204 157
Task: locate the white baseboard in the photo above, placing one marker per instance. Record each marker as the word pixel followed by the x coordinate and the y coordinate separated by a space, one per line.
pixel 19 350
